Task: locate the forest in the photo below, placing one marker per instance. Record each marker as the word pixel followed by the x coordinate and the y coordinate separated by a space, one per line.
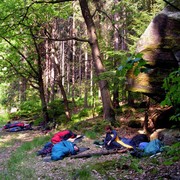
pixel 84 65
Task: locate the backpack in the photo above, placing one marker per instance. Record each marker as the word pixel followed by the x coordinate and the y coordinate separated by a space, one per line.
pixel 153 147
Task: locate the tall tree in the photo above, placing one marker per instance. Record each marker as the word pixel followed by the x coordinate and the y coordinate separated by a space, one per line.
pixel 108 110
pixel 109 113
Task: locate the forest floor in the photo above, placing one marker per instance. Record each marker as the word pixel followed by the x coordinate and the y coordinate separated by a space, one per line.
pixel 106 167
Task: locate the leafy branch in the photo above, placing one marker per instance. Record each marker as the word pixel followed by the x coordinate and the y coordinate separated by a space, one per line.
pixel 172 87
pixel 136 62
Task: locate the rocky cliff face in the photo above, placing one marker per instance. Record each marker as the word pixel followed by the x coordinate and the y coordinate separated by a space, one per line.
pixel 160 46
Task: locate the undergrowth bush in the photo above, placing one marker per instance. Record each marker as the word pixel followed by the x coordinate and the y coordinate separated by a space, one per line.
pixel 171 86
pixel 27 109
pixel 84 113
pixel 4 117
pixel 56 108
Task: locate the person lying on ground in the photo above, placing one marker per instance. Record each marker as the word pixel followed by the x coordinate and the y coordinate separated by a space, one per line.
pixel 17 126
pixel 149 148
pixel 62 135
pixel 46 150
pixel 58 137
pixel 63 149
pixel 11 125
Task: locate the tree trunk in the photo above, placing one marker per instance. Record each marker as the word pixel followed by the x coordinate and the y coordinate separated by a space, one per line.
pixel 39 74
pixel 109 113
pixel 43 101
pixel 86 80
pixel 73 60
pixel 66 104
pixel 23 87
pixel 103 152
pixel 116 40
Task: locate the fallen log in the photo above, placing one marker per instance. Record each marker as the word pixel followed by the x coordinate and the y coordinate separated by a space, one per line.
pixel 100 153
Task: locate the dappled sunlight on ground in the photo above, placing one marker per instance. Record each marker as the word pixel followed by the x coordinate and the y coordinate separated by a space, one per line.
pixel 7 138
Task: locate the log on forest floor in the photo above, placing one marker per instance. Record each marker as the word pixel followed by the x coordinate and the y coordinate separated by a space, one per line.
pixel 100 153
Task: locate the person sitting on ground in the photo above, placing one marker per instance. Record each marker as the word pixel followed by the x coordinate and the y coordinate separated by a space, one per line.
pixel 63 149
pixel 112 141
pixel 62 135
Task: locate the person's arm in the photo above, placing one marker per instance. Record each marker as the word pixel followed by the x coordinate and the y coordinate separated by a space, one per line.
pixel 114 135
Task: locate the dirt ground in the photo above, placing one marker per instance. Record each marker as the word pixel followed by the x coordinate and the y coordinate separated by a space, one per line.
pixel 43 167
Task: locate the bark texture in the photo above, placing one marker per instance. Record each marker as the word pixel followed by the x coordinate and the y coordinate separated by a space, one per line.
pixel 109 113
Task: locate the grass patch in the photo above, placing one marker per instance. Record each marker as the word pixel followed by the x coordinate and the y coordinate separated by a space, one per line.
pixel 16 165
pixel 123 165
pixel 96 126
pixel 82 174
pixel 3 119
pixel 91 134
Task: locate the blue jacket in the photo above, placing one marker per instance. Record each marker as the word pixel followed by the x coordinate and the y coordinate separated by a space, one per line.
pixel 110 136
pixel 62 149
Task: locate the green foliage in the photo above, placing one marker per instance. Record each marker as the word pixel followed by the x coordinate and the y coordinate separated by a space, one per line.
pixel 172 88
pixel 83 113
pixel 38 120
pixel 16 163
pixel 56 108
pixel 172 154
pixel 91 129
pixel 79 101
pixel 106 167
pixel 8 92
pixel 87 112
pixel 173 150
pixel 29 108
pixel 79 126
pixel 4 117
pixel 95 129
pixel 81 174
pixel 91 134
pixel 154 171
pixel 99 127
pixel 135 165
pixel 117 78
pixel 98 110
pixel 136 62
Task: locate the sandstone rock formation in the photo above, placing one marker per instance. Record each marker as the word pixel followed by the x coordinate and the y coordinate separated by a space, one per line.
pixel 160 46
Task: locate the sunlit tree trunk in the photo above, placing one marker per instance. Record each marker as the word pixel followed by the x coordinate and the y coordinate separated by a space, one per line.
pixel 65 100
pixel 116 63
pixel 23 84
pixel 68 64
pixel 63 62
pixel 108 111
pixel 73 60
pixel 59 62
pixel 86 80
pixel 23 87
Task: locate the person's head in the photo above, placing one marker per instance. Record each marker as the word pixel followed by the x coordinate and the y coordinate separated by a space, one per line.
pixel 76 148
pixel 108 128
